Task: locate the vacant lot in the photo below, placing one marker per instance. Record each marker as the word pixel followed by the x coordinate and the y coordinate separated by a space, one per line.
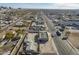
pixel 48 47
pixel 74 38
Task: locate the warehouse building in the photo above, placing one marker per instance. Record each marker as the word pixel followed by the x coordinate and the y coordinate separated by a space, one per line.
pixel 42 37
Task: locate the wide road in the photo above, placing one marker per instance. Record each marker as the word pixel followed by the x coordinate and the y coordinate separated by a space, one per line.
pixel 63 47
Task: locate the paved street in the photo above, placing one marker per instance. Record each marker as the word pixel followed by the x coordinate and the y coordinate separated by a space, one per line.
pixel 62 46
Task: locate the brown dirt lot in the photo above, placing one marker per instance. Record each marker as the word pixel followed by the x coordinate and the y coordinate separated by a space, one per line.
pixel 74 38
pixel 48 47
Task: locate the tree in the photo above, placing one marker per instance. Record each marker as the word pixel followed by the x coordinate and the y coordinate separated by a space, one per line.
pixel 20 31
pixel 9 35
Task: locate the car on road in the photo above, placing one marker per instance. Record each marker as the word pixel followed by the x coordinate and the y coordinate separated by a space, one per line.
pixel 65 38
pixel 52 35
pixel 61 29
pixel 58 33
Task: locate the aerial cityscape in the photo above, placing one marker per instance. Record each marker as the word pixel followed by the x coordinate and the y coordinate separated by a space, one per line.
pixel 39 29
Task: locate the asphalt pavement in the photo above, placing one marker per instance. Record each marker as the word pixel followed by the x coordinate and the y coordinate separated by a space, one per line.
pixel 63 47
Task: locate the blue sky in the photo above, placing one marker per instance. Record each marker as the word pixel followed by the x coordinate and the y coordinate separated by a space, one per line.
pixel 42 5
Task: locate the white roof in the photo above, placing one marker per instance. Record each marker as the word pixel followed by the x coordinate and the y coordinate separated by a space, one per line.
pixel 32 45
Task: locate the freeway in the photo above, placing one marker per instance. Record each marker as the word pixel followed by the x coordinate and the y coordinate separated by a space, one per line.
pixel 63 47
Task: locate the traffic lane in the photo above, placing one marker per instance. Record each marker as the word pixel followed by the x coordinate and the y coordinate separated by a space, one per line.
pixel 66 48
pixel 63 47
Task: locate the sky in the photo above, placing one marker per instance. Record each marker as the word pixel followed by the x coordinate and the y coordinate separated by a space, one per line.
pixel 42 5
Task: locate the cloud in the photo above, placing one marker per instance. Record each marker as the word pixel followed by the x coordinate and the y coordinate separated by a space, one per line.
pixel 43 5
pixel 66 6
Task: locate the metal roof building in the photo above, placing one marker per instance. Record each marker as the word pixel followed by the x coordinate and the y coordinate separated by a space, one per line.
pixel 42 37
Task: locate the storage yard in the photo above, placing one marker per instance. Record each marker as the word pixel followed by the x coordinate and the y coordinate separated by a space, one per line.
pixel 74 38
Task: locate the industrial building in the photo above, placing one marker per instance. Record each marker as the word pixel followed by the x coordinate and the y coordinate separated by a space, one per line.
pixel 42 37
